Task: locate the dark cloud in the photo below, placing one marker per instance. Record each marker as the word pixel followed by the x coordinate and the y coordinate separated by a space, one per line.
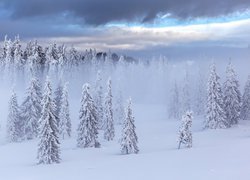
pixel 98 12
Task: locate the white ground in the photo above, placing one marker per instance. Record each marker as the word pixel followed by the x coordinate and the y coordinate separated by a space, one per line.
pixel 216 155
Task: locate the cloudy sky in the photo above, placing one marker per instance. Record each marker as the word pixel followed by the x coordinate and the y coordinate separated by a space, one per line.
pixel 132 26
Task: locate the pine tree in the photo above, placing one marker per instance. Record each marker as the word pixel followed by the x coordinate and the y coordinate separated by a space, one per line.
pixel 31 109
pixel 185 134
pixel 109 131
pixel 245 109
pixel 65 122
pixel 88 127
pixel 98 99
pixel 49 145
pixel 13 128
pixel 232 96
pixel 215 108
pixel 129 139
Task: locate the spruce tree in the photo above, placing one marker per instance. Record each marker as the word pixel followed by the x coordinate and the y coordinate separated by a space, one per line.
pixel 49 145
pixel 216 117
pixel 232 96
pixel 98 99
pixel 65 122
pixel 88 128
pixel 58 98
pixel 13 121
pixel 31 109
pixel 109 130
pixel 245 109
pixel 119 108
pixel 129 138
pixel 185 134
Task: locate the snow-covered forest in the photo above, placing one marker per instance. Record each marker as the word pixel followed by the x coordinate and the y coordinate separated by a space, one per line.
pixel 59 103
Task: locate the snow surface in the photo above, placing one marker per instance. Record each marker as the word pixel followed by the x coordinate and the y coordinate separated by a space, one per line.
pixel 216 154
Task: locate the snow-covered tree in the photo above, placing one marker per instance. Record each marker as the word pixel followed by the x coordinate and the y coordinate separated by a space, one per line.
pixel 232 96
pixel 129 138
pixel 58 98
pixel 109 130
pixel 175 105
pixel 65 122
pixel 119 108
pixel 216 117
pixel 88 128
pixel 31 109
pixel 245 109
pixel 185 133
pixel 49 145
pixel 98 99
pixel 13 121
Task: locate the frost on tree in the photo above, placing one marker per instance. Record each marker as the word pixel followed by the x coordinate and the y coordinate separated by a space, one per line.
pixel 245 109
pixel 215 108
pixel 65 122
pixel 87 130
pixel 129 138
pixel 31 109
pixel 232 96
pixel 98 99
pixel 49 145
pixel 109 131
pixel 13 121
pixel 185 134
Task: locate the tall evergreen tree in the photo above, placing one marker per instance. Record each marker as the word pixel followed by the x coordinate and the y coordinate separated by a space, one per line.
pixel 129 138
pixel 58 100
pixel 98 99
pixel 245 109
pixel 232 96
pixel 31 109
pixel 49 145
pixel 185 134
pixel 65 122
pixel 119 108
pixel 13 128
pixel 109 130
pixel 88 127
pixel 216 117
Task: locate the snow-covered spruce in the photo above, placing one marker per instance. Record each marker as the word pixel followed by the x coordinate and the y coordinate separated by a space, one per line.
pixel 109 130
pixel 87 130
pixel 119 113
pixel 49 145
pixel 58 98
pixel 232 96
pixel 98 99
pixel 245 108
pixel 65 122
pixel 185 134
pixel 215 117
pixel 31 109
pixel 13 121
pixel 129 138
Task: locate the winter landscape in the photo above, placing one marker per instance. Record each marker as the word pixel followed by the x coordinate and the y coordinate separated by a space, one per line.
pixel 124 90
